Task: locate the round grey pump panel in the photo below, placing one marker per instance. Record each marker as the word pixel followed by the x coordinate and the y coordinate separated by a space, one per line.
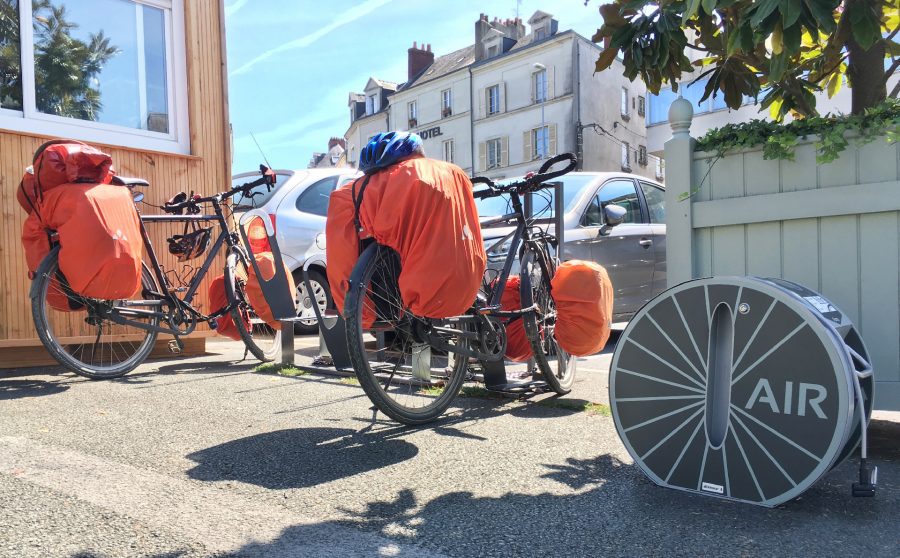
pixel 739 387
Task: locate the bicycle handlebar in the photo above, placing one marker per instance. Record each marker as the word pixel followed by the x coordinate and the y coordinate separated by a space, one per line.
pixel 531 182
pixel 267 178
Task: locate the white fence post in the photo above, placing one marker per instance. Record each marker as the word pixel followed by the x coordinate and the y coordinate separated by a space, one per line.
pixel 679 169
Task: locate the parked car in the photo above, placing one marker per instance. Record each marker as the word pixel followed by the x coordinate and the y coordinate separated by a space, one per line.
pixel 297 206
pixel 633 252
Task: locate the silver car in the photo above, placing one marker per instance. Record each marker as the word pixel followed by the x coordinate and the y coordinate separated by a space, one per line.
pixel 298 205
pixel 633 252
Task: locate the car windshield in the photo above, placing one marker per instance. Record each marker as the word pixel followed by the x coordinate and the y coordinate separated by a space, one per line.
pixel 259 195
pixel 572 187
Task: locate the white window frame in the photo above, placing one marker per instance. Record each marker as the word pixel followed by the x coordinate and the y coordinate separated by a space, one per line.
pixel 491 97
pixel 536 151
pixel 624 108
pixel 446 103
pixel 496 146
pixel 412 110
pixel 642 106
pixel 447 148
pixel 539 85
pixel 177 140
pixel 626 156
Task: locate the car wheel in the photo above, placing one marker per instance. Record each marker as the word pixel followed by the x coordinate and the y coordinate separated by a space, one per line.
pixel 321 294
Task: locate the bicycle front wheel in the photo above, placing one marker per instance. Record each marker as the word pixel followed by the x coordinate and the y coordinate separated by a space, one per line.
pixel 262 340
pixel 77 331
pixel 404 377
pixel 555 364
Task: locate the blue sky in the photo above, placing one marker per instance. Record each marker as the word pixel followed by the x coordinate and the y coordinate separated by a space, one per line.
pixel 291 63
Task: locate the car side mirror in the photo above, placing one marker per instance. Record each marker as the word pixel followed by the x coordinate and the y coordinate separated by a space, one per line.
pixel 615 215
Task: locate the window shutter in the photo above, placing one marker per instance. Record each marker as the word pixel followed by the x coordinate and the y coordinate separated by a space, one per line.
pixel 534 87
pixel 502 96
pixel 551 74
pixel 481 101
pixel 482 156
pixel 504 151
pixel 528 149
pixel 552 141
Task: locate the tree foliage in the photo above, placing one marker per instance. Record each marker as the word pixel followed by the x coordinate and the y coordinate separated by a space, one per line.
pixel 784 50
pixel 66 69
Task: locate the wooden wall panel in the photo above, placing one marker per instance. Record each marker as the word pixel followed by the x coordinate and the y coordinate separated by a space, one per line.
pixel 205 171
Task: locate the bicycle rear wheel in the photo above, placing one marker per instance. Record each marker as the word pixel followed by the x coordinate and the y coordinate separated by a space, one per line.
pixel 76 330
pixel 262 340
pixel 406 379
pixel 556 365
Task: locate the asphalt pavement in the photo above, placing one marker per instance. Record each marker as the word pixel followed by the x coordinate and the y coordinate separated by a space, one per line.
pixel 205 457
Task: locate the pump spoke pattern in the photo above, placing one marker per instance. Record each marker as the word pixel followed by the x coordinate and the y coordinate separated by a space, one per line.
pixel 786 412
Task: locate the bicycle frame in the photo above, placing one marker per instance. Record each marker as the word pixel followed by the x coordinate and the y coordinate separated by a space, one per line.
pixel 126 308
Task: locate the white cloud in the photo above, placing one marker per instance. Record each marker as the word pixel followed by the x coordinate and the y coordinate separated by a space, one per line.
pixel 233 8
pixel 344 18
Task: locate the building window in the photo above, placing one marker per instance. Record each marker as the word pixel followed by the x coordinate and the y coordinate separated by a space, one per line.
pixel 371 104
pixel 642 155
pixel 540 141
pixel 493 51
pixel 540 33
pixel 626 156
pixel 494 159
pixel 625 103
pixel 539 86
pixel 116 79
pixel 493 99
pixel 446 103
pixel 448 150
pixel 641 105
pixel 412 111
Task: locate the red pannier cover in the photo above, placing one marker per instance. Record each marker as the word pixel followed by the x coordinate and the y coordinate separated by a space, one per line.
pixel 266 263
pixel 424 209
pixel 37 246
pixel 63 163
pixel 217 300
pixel 518 348
pixel 583 295
pixel 99 236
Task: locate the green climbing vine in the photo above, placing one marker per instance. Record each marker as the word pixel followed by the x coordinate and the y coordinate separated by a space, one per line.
pixel 780 140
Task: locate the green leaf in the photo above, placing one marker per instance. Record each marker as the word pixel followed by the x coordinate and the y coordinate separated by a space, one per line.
pixel 834 84
pixel 708 6
pixel 791 39
pixel 762 10
pixel 690 10
pixel 891 49
pixel 823 12
pixel 777 66
pixel 790 11
pixel 866 26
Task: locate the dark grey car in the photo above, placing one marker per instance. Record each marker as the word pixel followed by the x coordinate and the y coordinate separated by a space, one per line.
pixel 633 252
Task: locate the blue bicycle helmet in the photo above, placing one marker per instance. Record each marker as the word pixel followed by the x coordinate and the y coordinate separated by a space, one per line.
pixel 388 148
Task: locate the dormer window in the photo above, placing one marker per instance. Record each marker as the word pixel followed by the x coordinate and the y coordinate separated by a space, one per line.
pixel 493 51
pixel 540 33
pixel 371 104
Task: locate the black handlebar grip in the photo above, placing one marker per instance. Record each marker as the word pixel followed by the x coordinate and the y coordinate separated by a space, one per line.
pixel 548 164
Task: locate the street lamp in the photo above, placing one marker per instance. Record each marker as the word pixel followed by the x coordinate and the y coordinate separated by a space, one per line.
pixel 540 67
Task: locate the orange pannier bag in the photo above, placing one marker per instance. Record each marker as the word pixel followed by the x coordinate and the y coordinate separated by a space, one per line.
pixel 61 162
pixel 423 209
pixel 518 347
pixel 99 235
pixel 267 267
pixel 583 295
pixel 37 245
pixel 217 300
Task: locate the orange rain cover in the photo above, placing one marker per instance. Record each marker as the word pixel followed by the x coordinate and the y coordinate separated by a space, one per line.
pixel 217 300
pixel 63 163
pixel 266 263
pixel 37 246
pixel 424 209
pixel 518 348
pixel 99 236
pixel 584 301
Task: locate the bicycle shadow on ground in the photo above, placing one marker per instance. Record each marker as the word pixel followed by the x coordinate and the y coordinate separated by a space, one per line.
pixel 606 507
pixel 300 457
pixel 20 389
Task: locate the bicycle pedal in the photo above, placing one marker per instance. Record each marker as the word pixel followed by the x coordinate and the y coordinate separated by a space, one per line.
pixel 176 346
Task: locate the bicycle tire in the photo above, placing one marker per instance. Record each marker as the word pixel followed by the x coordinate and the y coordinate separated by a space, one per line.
pixel 234 291
pixel 45 276
pixel 554 363
pixel 374 259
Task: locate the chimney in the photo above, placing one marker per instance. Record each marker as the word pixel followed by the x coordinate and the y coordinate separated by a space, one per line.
pixel 419 60
pixel 337 141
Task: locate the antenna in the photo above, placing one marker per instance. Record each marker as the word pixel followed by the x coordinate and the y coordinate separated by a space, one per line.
pixel 518 7
pixel 268 164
